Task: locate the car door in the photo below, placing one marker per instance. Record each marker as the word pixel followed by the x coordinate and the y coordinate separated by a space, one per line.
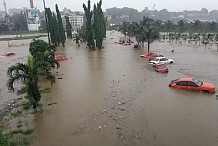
pixel 182 85
pixel 164 60
pixel 192 86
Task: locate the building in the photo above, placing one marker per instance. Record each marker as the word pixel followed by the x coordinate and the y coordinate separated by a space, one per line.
pixel 75 18
pixel 13 11
pixel 2 16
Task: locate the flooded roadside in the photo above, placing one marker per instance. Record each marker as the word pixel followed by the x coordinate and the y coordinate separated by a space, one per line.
pixel 111 98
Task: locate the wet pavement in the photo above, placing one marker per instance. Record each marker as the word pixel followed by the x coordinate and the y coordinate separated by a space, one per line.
pixel 111 98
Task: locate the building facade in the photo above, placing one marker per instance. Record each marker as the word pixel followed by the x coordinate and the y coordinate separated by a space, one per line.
pixel 75 18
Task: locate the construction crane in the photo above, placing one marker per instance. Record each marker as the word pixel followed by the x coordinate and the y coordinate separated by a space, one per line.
pixel 4 3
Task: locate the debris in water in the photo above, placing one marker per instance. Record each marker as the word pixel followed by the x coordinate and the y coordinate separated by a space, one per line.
pixel 120 103
pixel 121 137
pixel 99 127
pixel 122 108
pixel 52 103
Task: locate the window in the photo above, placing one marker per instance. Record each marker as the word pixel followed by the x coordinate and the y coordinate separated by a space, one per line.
pixel 192 84
pixel 182 83
pixel 163 59
pixel 156 59
pixel 199 83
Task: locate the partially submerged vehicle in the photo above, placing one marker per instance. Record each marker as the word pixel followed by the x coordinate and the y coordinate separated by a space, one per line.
pixel 161 68
pixel 148 54
pixel 10 54
pixel 192 85
pixel 61 58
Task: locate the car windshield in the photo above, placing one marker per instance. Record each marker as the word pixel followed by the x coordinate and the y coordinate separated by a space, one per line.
pixel 199 83
pixel 173 81
pixel 161 66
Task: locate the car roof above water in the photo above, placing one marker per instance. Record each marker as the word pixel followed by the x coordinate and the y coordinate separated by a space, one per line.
pixel 185 79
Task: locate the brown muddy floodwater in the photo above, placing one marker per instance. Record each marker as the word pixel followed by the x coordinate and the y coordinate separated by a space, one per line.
pixel 111 98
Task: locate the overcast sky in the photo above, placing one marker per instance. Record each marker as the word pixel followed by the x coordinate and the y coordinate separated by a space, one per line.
pixel 76 5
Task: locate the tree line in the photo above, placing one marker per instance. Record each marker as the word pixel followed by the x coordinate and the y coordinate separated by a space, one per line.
pixel 148 30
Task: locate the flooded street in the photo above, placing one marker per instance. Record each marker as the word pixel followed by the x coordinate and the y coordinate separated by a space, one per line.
pixel 111 98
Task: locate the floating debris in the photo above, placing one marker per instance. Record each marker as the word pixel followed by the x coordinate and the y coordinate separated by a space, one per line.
pixel 122 108
pixel 52 103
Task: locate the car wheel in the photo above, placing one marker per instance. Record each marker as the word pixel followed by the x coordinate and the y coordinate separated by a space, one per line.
pixel 171 61
pixel 205 91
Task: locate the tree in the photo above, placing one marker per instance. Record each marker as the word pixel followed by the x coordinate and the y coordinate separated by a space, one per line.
pixel 43 54
pixel 168 26
pixel 68 28
pixel 60 26
pixel 212 26
pixel 28 74
pixel 181 25
pixel 124 28
pixel 89 27
pixel 99 25
pixel 147 31
pixel 196 25
pixel 52 27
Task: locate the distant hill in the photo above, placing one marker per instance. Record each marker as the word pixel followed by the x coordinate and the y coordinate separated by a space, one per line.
pixel 117 15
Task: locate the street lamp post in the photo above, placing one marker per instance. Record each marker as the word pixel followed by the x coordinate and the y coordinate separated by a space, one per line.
pixel 46 21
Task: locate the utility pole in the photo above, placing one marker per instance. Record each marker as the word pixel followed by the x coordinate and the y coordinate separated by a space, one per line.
pixel 46 21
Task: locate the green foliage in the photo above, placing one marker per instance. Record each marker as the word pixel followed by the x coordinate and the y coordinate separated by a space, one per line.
pixel 68 28
pixel 22 90
pixel 17 113
pixel 38 65
pixel 146 31
pixel 25 105
pixel 99 25
pixel 60 26
pixel 45 90
pixel 89 26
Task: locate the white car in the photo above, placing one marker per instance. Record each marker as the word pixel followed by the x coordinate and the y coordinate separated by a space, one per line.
pixel 160 59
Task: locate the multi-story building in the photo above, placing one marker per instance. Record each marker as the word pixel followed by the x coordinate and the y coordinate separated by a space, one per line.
pixel 75 18
pixel 2 16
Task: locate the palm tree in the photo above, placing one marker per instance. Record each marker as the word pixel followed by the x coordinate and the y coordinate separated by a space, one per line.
pixel 148 31
pixel 125 28
pixel 181 24
pixel 28 74
pixel 43 52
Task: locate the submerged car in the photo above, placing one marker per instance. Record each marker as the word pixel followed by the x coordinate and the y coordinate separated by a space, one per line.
pixel 147 54
pixel 152 57
pixel 193 85
pixel 161 59
pixel 161 68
